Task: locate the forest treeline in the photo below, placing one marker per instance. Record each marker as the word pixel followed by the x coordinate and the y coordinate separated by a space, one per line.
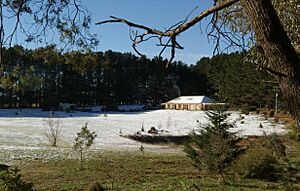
pixel 238 81
pixel 45 77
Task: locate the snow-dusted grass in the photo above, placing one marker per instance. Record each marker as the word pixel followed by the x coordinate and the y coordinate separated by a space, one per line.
pixel 24 129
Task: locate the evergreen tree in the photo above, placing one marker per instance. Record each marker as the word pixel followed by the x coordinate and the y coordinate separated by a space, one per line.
pixel 84 140
pixel 214 147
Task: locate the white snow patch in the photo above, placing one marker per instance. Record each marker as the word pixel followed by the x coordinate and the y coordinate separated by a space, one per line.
pixel 24 129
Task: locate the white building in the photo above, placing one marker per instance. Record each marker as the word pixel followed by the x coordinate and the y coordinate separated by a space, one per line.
pixel 191 103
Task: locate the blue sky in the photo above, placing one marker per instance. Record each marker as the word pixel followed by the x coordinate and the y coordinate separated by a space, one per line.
pixel 159 14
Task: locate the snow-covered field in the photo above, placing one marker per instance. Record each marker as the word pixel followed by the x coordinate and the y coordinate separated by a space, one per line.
pixel 22 131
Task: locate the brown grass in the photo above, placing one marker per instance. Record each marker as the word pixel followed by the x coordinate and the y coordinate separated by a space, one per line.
pixel 137 171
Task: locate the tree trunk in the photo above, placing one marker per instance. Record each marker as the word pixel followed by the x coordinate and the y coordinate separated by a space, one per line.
pixel 282 57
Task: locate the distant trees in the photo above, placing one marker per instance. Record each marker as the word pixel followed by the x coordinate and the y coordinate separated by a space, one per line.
pixel 44 77
pixel 236 81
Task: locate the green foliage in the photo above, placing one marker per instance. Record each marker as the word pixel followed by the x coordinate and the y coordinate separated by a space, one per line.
pixel 55 16
pixel 245 109
pixel 291 22
pixel 11 180
pixel 236 82
pixel 292 131
pixel 84 140
pixel 214 148
pixel 275 144
pixel 50 103
pixel 50 76
pixel 257 162
pixel 32 76
pixel 290 178
pixel 287 11
pixel 261 159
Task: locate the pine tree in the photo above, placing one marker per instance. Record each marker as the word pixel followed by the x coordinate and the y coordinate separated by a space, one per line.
pixel 214 147
pixel 84 140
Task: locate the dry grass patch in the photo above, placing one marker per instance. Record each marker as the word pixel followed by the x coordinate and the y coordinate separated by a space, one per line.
pixel 136 171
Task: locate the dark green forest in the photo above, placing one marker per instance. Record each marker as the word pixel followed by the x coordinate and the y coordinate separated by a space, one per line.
pixel 45 77
pixel 238 81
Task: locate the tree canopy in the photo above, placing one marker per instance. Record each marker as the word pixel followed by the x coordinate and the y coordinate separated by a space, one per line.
pixel 41 20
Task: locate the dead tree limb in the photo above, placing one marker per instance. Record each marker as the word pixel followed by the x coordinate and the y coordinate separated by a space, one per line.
pixel 169 34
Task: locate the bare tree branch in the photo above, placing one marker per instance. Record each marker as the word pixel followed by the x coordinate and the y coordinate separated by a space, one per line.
pixel 131 24
pixel 171 33
pixel 274 72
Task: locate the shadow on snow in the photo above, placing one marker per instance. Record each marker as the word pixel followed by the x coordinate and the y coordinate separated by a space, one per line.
pixel 38 113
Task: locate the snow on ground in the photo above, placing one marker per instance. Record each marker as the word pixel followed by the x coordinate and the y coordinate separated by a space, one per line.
pixel 23 130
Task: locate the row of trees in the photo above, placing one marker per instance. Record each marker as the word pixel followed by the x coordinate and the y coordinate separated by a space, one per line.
pixel 45 77
pixel 237 81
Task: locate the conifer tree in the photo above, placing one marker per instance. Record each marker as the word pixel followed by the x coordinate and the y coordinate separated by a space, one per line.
pixel 214 147
pixel 84 140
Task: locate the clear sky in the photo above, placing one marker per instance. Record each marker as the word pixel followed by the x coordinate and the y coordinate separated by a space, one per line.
pixel 159 14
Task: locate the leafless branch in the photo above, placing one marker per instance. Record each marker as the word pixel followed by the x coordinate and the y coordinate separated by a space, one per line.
pixel 171 33
pixel 221 35
pixel 274 72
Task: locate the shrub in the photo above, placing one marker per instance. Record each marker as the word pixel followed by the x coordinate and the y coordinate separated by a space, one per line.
pixel 53 130
pixel 214 148
pixel 275 144
pixel 252 108
pixel 283 111
pixel 292 131
pixel 11 180
pixel 260 160
pixel 264 113
pixel 245 109
pixel 256 163
pixel 271 113
pixel 257 111
pixel 289 178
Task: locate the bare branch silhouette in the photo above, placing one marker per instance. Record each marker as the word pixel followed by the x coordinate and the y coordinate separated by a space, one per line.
pixel 168 37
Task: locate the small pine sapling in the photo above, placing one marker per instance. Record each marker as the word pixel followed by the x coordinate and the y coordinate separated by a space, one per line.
pixel 84 140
